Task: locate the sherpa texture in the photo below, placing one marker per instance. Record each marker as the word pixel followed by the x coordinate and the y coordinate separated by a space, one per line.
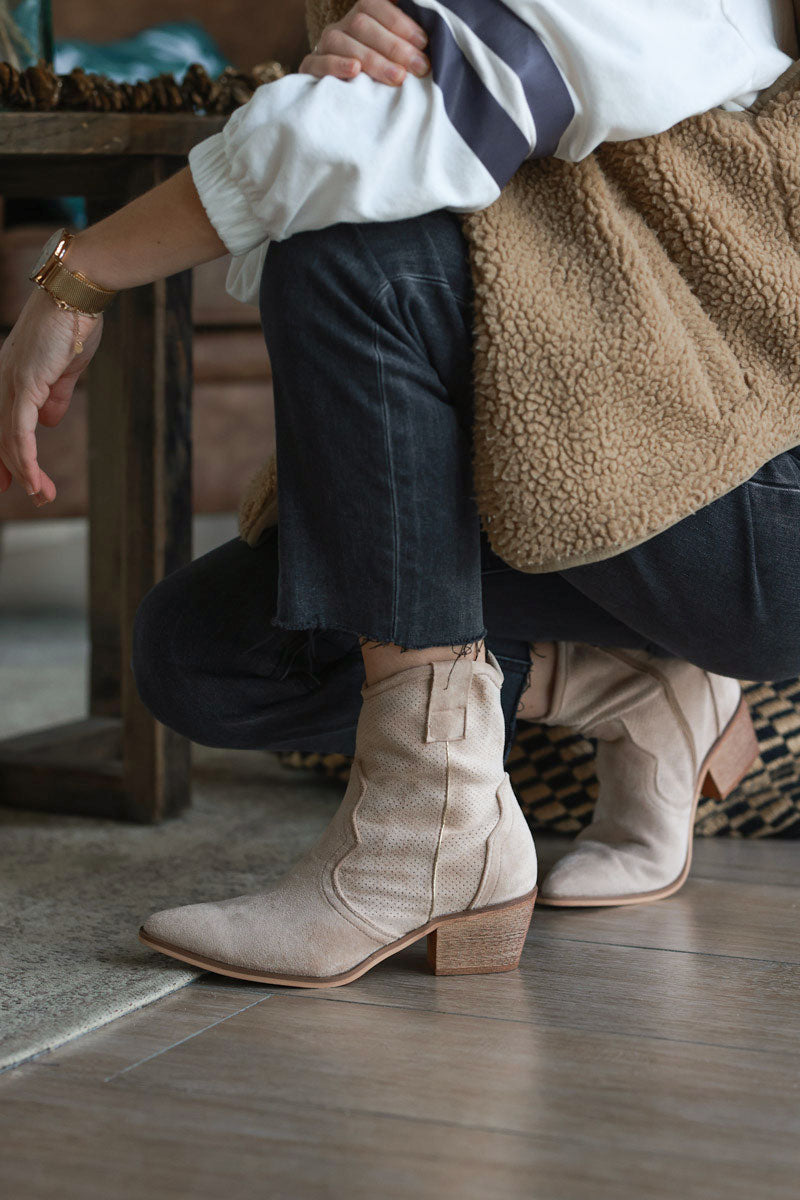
pixel 636 348
pixel 258 503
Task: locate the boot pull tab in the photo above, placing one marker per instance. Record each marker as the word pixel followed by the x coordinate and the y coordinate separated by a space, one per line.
pixel 447 705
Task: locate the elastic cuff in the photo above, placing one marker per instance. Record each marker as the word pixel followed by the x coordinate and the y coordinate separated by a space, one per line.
pixel 224 202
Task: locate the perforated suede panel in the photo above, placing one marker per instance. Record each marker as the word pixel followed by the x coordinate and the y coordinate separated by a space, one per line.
pixel 475 773
pixel 427 808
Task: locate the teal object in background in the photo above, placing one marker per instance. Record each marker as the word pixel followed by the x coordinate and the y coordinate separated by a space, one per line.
pixel 171 47
pixel 168 47
pixel 34 19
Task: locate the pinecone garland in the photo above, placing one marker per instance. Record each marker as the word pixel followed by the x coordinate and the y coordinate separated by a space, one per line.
pixel 40 89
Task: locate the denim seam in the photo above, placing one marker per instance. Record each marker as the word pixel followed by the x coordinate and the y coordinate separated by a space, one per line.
pixel 388 456
pixel 777 485
pixel 754 573
pixel 379 292
pixel 386 286
pixel 389 282
pixel 470 303
pixel 399 277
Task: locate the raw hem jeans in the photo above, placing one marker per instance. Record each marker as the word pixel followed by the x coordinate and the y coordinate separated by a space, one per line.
pixel 368 329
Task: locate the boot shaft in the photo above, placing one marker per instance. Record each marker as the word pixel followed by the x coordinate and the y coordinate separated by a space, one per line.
pixel 600 692
pixel 428 788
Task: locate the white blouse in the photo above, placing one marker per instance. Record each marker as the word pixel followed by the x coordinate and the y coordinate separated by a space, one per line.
pixel 508 81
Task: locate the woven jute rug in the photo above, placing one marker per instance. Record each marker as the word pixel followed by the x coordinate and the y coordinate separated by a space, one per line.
pixel 74 891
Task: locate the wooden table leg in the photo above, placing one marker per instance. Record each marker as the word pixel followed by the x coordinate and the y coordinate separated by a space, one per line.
pixel 120 762
pixel 140 508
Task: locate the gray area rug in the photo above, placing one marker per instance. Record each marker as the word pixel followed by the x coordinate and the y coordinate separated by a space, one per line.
pixel 74 890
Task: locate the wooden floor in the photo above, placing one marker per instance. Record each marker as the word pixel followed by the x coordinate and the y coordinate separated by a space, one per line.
pixel 645 1053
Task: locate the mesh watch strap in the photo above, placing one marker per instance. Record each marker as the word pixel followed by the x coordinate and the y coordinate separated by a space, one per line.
pixel 74 290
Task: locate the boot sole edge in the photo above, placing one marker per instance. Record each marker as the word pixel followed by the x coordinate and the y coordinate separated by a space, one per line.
pixel 316 981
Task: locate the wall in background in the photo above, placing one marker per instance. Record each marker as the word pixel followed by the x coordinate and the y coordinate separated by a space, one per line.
pixel 247 31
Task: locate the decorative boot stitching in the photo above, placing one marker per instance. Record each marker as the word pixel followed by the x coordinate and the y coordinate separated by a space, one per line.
pixel 487 884
pixel 441 829
pixel 345 850
pixel 672 700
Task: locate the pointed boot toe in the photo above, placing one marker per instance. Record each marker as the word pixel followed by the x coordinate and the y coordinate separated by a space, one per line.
pixel 201 928
pixel 582 874
pixel 273 934
pixel 595 874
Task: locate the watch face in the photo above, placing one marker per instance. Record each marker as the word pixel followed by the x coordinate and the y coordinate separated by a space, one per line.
pixel 48 249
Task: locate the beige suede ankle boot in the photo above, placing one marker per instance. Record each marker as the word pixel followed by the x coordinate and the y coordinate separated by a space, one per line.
pixel 429 839
pixel 668 732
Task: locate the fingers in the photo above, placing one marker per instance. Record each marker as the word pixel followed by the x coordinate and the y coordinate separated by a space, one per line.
pixel 383 57
pixel 374 37
pixel 18 451
pixel 18 444
pixel 38 373
pixel 391 18
pixel 329 64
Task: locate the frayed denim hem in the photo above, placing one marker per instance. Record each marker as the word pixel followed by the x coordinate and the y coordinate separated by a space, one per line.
pixel 315 626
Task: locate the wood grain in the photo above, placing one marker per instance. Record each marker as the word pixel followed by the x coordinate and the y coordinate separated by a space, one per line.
pixel 329 1094
pixel 738 921
pixel 33 134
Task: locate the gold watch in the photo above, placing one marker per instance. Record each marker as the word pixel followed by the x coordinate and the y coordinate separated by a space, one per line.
pixel 70 289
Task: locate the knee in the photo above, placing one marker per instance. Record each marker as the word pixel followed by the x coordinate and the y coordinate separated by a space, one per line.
pixel 159 679
pixel 774 668
pixel 202 683
pixel 761 658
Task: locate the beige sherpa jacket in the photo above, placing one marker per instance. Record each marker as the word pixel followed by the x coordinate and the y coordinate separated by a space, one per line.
pixel 637 331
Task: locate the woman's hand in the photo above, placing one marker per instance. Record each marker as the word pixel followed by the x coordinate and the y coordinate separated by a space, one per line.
pixel 374 36
pixel 38 373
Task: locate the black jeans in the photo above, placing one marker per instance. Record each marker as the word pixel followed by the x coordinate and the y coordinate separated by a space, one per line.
pixel 369 334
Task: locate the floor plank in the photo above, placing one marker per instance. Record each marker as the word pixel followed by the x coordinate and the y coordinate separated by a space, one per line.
pixel 188 1148
pixel 638 1052
pixel 739 920
pixel 147 1031
pixel 520 1078
pixel 764 860
pixel 616 989
pixel 532 1111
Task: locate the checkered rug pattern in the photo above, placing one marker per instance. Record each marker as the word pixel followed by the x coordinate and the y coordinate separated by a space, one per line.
pixel 552 770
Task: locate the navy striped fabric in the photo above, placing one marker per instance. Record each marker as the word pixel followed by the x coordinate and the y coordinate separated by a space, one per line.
pixel 483 123
pixel 523 50
pixel 481 120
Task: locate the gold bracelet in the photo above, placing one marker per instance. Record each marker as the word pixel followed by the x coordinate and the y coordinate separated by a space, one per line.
pixel 78 347
pixel 77 313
